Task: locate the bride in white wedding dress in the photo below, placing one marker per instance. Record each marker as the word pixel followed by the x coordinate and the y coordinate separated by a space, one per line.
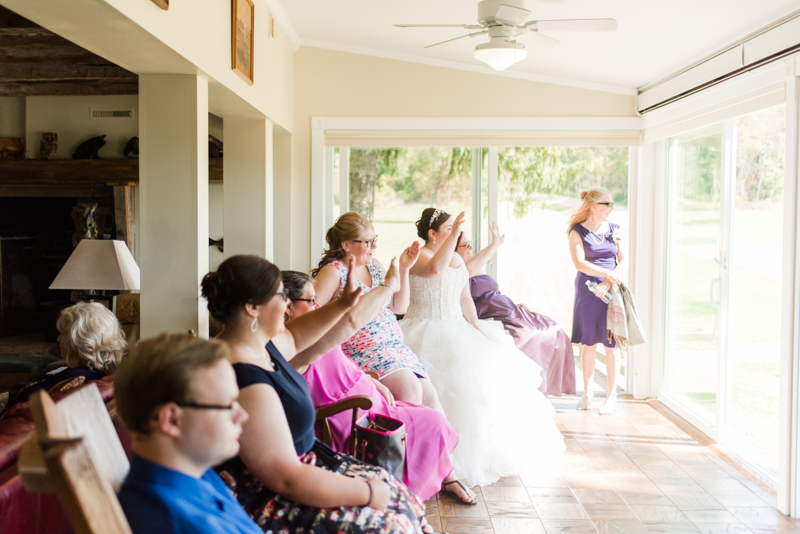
pixel 487 387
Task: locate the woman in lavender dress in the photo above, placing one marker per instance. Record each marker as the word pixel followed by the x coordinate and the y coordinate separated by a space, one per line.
pixel 595 251
pixel 538 336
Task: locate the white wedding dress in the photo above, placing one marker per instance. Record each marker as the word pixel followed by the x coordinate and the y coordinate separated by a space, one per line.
pixel 487 387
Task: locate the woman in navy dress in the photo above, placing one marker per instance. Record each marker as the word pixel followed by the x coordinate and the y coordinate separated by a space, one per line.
pixel 287 481
pixel 595 251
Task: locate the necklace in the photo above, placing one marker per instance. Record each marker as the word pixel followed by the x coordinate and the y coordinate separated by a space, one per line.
pixel 254 351
pixel 594 237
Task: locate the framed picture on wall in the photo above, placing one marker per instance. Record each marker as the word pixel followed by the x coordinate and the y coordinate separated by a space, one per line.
pixel 243 19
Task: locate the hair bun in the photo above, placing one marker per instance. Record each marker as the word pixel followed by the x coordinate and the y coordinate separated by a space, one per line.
pixel 583 194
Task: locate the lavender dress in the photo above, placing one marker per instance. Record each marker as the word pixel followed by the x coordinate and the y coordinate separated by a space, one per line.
pixel 538 336
pixel 589 314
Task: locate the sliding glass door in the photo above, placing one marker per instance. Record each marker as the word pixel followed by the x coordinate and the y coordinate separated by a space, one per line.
pixel 725 229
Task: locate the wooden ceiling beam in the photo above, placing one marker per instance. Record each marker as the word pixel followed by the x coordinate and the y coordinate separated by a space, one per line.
pixel 86 88
pixel 50 72
pixel 9 19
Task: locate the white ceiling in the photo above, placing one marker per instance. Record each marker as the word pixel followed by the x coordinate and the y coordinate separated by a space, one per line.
pixel 654 37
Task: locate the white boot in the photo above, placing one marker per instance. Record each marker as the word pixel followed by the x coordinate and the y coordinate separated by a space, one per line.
pixel 585 403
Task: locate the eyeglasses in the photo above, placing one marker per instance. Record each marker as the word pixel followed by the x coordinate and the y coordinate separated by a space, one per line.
pixel 312 300
pixel 200 406
pixel 609 204
pixel 372 243
pixel 465 244
pixel 281 294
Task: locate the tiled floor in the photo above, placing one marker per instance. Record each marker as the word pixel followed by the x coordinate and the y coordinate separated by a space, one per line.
pixel 635 471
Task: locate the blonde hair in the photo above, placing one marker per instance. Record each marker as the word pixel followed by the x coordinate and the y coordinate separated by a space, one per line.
pixel 346 228
pixel 590 197
pixel 93 334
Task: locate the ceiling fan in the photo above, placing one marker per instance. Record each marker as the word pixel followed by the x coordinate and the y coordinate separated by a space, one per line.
pixel 504 21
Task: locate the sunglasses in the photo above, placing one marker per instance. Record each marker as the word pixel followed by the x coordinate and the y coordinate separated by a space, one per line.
pixel 372 243
pixel 313 300
pixel 609 204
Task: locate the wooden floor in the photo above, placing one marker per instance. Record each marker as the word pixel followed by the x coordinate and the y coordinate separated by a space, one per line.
pixel 636 471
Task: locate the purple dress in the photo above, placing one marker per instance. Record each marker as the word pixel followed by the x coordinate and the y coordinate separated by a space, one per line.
pixel 538 336
pixel 589 314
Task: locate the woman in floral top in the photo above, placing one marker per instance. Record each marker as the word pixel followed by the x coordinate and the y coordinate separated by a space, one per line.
pixel 379 346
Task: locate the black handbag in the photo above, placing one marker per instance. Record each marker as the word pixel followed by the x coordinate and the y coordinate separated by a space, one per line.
pixel 381 441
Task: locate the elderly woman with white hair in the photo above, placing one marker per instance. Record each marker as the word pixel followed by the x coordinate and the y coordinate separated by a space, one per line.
pixel 92 342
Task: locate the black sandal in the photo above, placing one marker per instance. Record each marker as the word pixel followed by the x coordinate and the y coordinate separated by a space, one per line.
pixel 463 487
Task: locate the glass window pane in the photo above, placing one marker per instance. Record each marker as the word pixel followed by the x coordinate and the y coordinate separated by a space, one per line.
pixel 538 189
pixel 693 274
pixel 757 252
pixel 391 187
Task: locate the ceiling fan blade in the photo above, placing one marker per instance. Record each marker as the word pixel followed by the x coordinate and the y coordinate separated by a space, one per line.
pixel 457 38
pixel 467 26
pixel 538 41
pixel 577 25
pixel 511 15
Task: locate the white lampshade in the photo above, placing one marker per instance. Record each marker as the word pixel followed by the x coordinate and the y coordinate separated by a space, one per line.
pixel 99 264
pixel 499 53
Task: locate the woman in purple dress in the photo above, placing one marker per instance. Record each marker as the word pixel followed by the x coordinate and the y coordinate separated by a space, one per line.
pixel 594 247
pixel 538 336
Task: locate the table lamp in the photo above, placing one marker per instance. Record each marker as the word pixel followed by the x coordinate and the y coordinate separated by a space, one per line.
pixel 99 264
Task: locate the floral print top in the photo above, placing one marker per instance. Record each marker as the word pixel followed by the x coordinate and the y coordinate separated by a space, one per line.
pixel 379 346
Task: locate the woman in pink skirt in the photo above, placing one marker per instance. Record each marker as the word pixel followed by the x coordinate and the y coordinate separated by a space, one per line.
pixel 334 377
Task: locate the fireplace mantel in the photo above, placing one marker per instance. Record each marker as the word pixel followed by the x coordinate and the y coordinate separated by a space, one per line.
pixel 76 177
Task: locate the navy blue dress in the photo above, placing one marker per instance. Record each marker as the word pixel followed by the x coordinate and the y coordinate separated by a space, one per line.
pixel 589 314
pixel 275 513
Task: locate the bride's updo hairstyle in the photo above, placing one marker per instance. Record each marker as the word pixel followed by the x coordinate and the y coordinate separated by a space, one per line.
pixel 590 197
pixel 346 228
pixel 430 220
pixel 239 280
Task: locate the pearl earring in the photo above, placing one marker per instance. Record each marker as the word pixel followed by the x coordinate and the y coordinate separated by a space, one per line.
pixel 434 240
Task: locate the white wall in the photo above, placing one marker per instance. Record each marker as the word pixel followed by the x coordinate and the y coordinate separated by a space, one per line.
pixel 70 118
pixel 12 116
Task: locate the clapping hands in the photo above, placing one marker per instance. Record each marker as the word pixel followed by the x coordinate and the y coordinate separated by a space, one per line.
pixel 351 291
pixel 457 223
pixel 409 257
pixel 392 278
pixel 496 237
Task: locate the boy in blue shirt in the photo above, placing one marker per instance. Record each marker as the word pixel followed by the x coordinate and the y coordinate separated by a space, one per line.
pixel 177 395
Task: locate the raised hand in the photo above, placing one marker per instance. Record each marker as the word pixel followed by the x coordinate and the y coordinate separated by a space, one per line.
pixel 392 278
pixel 460 219
pixel 496 237
pixel 409 256
pixel 351 290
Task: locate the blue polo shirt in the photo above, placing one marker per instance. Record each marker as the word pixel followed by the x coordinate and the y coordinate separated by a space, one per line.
pixel 158 500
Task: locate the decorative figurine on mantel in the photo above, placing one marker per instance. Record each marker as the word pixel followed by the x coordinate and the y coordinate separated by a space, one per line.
pixel 11 147
pixel 89 148
pixel 132 148
pixel 49 146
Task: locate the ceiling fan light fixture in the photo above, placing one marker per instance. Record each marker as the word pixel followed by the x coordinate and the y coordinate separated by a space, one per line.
pixel 500 53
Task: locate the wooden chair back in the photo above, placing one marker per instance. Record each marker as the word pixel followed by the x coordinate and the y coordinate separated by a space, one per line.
pixel 77 454
pixel 350 403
